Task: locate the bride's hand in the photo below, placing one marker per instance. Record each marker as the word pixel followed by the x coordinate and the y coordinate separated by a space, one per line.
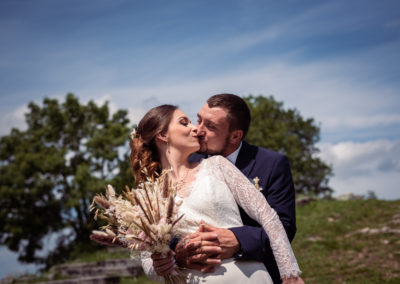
pixel 163 265
pixel 292 280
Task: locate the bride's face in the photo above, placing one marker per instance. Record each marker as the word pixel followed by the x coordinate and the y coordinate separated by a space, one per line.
pixel 182 134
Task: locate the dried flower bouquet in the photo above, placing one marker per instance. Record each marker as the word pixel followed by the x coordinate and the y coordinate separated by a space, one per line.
pixel 140 219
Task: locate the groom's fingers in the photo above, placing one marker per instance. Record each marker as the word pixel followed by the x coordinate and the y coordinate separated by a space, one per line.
pixel 204 236
pixel 226 239
pixel 204 227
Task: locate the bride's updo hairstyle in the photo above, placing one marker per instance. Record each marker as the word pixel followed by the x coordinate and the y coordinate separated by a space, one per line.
pixel 144 152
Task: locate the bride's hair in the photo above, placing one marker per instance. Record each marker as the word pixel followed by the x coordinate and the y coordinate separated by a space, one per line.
pixel 144 152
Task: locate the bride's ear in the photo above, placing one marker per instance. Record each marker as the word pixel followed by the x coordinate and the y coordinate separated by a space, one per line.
pixel 162 136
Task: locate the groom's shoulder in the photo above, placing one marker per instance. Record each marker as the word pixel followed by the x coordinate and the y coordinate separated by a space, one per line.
pixel 261 152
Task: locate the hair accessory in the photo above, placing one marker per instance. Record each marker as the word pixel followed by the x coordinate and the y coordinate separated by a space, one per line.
pixel 133 134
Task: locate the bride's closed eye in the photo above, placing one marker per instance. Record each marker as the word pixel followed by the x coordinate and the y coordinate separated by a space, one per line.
pixel 184 122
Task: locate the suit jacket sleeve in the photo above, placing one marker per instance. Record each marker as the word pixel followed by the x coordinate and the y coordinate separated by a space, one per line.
pixel 280 195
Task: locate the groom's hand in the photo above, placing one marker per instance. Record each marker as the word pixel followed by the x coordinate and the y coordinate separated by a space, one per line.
pixel 226 240
pixel 199 251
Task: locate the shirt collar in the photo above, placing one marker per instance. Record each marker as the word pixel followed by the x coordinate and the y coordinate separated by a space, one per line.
pixel 233 156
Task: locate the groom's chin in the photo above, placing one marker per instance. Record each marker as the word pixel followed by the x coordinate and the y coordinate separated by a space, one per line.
pixel 202 149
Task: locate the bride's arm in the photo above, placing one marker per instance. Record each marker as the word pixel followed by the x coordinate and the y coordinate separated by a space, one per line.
pixel 255 205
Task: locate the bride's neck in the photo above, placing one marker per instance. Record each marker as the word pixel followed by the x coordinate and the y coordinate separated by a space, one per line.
pixel 177 161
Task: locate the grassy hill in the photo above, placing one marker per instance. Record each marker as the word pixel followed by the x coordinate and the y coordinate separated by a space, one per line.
pixel 355 241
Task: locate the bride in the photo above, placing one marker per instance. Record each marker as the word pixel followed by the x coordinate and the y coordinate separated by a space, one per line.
pixel 211 190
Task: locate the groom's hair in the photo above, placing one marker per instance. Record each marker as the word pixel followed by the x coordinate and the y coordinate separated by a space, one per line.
pixel 238 116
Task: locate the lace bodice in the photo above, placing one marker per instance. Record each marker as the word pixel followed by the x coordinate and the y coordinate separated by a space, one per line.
pixel 214 197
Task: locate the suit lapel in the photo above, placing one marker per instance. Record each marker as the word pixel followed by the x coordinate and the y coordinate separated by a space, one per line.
pixel 246 158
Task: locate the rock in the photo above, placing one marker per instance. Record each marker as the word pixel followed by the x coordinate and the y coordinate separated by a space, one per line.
pixel 315 239
pixel 118 267
pixel 87 280
pixel 350 196
pixel 304 200
pixel 8 280
pixel 375 231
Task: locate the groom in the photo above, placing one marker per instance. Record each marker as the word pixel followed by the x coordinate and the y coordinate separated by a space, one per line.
pixel 223 123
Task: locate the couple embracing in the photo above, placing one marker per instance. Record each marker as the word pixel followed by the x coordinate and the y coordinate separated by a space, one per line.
pixel 232 231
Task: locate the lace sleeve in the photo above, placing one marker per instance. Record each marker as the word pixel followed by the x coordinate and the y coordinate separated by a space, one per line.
pixel 257 207
pixel 147 265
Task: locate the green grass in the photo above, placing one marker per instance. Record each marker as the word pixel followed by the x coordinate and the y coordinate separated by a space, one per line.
pixel 100 255
pixel 327 245
pixel 140 280
pixel 330 250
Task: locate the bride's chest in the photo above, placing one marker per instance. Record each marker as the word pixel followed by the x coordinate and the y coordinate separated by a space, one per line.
pixel 208 194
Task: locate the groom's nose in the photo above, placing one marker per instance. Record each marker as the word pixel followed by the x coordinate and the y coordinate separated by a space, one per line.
pixel 200 131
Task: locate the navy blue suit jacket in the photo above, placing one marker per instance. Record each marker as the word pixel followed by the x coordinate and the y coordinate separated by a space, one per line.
pixel 275 179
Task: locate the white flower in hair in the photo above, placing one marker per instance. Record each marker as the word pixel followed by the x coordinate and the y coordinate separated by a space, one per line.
pixel 133 133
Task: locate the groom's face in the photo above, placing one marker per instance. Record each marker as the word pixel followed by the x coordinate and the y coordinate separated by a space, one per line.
pixel 213 130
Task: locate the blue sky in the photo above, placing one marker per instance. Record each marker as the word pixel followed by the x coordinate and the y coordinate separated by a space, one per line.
pixel 335 61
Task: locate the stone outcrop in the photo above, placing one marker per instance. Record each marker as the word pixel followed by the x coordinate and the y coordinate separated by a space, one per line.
pixel 121 267
pixel 107 271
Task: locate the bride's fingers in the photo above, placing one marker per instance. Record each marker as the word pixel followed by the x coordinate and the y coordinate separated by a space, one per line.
pixel 199 244
pixel 207 228
pixel 165 269
pixel 213 261
pixel 162 261
pixel 201 248
pixel 198 258
pixel 208 269
pixel 203 253
pixel 164 266
pixel 205 259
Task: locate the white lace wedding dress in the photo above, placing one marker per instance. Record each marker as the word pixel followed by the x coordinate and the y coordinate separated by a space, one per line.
pixel 214 194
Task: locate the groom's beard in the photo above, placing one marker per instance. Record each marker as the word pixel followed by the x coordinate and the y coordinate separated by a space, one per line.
pixel 219 151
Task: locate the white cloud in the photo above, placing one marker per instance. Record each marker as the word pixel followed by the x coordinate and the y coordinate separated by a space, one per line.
pixel 322 90
pixel 15 118
pixel 360 167
pixel 351 121
pixel 136 114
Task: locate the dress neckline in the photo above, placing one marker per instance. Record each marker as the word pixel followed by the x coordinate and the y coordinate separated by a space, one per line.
pixel 189 187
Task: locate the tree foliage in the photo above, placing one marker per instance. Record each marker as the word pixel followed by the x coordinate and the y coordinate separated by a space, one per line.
pixel 286 131
pixel 50 172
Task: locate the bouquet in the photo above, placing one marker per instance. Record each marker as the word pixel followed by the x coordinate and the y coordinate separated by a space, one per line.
pixel 140 219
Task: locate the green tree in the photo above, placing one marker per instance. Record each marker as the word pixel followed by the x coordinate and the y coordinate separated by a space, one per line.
pixel 50 172
pixel 286 131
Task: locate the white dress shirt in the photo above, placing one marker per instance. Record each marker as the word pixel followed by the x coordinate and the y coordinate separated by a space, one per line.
pixel 233 156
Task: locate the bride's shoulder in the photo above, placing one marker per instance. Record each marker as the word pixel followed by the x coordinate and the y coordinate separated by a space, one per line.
pixel 217 159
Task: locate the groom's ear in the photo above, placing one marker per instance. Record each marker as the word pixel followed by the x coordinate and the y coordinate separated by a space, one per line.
pixel 236 136
pixel 162 136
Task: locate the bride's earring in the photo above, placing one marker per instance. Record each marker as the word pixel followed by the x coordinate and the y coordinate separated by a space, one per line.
pixel 168 151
